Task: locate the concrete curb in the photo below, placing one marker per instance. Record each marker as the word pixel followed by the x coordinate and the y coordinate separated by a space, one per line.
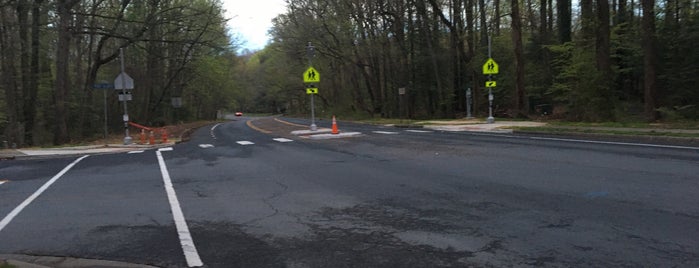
pixel 28 261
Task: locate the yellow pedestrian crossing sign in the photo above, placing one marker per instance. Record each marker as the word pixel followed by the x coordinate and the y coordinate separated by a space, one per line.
pixel 490 67
pixel 311 76
pixel 311 90
pixel 490 83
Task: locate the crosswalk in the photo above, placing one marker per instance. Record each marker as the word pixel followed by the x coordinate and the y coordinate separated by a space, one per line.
pixel 286 140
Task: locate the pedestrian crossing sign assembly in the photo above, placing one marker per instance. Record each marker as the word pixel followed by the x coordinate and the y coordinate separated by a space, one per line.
pixel 311 76
pixel 491 67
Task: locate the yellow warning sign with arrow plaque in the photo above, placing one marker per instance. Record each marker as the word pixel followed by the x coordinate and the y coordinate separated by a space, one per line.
pixel 490 67
pixel 490 84
pixel 311 76
pixel 311 90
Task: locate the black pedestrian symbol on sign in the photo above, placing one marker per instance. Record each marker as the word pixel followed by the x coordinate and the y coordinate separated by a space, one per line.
pixel 491 66
pixel 312 75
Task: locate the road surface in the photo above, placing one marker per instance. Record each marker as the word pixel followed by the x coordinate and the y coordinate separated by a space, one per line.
pixel 246 193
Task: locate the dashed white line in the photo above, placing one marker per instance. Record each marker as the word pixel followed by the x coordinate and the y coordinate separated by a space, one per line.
pixel 135 152
pixel 385 132
pixel 245 142
pixel 418 131
pixel 283 140
pixel 190 251
pixel 36 194
pixel 205 146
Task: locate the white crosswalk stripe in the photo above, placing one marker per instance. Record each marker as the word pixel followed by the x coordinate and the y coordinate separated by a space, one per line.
pixel 418 131
pixel 386 132
pixel 135 152
pixel 245 142
pixel 1 182
pixel 283 140
pixel 205 146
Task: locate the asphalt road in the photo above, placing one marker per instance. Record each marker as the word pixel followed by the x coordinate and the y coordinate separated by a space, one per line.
pixel 389 198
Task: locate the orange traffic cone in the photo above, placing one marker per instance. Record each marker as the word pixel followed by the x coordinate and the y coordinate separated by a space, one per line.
pixel 143 136
pixel 151 139
pixel 163 135
pixel 334 130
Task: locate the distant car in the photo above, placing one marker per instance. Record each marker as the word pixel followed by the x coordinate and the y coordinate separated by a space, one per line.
pixel 238 114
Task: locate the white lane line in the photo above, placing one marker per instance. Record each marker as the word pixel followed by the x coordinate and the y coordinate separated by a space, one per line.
pixel 385 132
pixel 135 152
pixel 205 146
pixel 190 251
pixel 245 142
pixel 212 130
pixel 418 131
pixel 283 140
pixel 617 143
pixel 36 194
pixel 166 149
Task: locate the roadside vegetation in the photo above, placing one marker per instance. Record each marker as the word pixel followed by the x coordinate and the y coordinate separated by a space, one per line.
pixel 619 61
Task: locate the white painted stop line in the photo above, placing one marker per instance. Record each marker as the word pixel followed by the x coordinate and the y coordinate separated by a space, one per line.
pixel 204 146
pixel 283 140
pixel 245 142
pixel 385 132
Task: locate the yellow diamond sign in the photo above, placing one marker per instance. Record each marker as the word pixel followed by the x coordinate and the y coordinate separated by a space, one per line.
pixel 490 67
pixel 311 76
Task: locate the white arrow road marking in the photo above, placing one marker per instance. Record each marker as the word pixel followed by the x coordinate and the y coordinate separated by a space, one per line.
pixel 418 131
pixel 204 146
pixel 135 152
pixel 36 194
pixel 385 132
pixel 245 142
pixel 283 140
pixel 190 251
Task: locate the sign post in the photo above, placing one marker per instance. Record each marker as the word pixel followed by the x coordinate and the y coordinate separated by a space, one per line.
pixel 104 86
pixel 490 68
pixel 311 76
pixel 123 82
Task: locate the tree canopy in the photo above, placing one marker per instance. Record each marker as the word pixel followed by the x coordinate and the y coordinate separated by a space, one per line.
pixel 593 61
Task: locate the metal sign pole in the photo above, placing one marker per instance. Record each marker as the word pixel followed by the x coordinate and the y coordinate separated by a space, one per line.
pixel 311 52
pixel 127 138
pixel 491 119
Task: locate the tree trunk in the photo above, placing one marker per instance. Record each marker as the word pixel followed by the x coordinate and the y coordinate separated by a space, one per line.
pixel 564 21
pixel 62 86
pixel 520 93
pixel 603 60
pixel 497 17
pixel 650 59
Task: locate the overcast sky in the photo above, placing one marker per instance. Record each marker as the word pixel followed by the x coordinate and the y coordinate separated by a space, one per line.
pixel 251 19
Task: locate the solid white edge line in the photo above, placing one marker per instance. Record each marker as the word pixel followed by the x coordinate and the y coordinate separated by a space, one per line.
pixel 212 130
pixel 36 194
pixel 190 251
pixel 617 143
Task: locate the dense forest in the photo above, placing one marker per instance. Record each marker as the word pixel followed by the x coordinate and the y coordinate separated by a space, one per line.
pixel 600 60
